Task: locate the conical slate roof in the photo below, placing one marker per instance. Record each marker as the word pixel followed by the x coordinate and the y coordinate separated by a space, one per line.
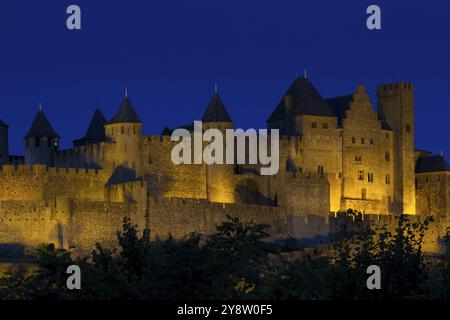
pixel 4 125
pixel 41 127
pixel 96 129
pixel 306 100
pixel 216 111
pixel 126 113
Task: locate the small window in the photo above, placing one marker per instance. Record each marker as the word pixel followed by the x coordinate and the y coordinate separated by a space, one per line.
pixel 320 170
pixel 353 140
pixel 358 159
pixel 370 177
pixel 371 141
pixel 325 125
pixel 408 128
pixel 362 140
pixel 388 179
pixel 313 125
pixel 361 175
pixel 387 156
pixel 122 130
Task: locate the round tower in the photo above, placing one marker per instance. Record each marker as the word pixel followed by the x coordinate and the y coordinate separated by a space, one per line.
pixel 124 132
pixel 220 186
pixel 4 148
pixel 41 142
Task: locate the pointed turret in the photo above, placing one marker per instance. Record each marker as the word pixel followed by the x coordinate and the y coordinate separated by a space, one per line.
pixel 126 113
pixel 95 132
pixel 41 141
pixel 124 132
pixel 41 127
pixel 216 111
pixel 220 178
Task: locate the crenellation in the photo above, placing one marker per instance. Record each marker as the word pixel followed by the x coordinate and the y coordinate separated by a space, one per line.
pixel 334 155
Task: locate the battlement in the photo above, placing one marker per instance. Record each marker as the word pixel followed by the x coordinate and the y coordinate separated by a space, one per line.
pixel 158 138
pixel 395 88
pixel 38 169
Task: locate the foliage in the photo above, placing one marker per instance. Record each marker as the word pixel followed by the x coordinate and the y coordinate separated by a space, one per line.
pixel 238 262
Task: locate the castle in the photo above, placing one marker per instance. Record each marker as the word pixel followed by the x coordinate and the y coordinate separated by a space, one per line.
pixel 335 154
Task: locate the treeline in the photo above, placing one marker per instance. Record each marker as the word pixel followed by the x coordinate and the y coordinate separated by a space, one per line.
pixel 237 262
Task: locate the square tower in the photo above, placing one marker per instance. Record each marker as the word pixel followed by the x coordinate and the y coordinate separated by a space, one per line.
pixel 396 106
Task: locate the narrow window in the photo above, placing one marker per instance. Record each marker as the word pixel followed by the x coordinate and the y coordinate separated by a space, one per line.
pixel 353 140
pixel 363 194
pixel 320 170
pixel 325 125
pixel 408 128
pixel 313 125
pixel 387 156
pixel 388 179
pixel 362 140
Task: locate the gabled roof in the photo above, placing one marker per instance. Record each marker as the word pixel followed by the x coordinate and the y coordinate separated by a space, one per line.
pixel 96 129
pixel 306 100
pixel 4 125
pixel 41 127
pixel 126 113
pixel 216 111
pixel 341 104
pixel 431 164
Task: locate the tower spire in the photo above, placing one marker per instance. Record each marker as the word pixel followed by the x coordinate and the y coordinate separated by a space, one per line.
pixel 40 106
pixel 305 72
pixel 216 88
pixel 126 92
pixel 442 152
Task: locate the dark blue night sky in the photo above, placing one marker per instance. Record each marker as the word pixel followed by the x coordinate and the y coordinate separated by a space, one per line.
pixel 169 53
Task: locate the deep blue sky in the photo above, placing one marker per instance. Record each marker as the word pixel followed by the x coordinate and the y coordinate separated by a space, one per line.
pixel 169 53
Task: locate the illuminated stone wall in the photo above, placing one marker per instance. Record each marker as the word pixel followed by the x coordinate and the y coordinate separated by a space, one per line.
pixel 368 159
pixel 38 182
pixel 396 105
pixel 320 151
pixel 167 179
pixel 433 194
